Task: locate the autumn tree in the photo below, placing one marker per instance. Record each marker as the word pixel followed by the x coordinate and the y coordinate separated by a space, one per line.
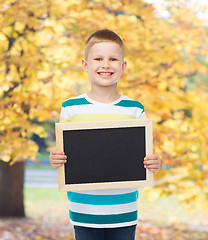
pixel 42 44
pixel 25 95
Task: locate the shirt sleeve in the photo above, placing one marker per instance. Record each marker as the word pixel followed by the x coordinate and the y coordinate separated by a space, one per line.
pixel 140 111
pixel 64 115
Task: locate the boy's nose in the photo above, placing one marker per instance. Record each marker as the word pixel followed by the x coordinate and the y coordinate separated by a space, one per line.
pixel 106 64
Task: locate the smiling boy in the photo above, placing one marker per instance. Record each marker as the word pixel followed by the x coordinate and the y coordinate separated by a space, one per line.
pixel 103 214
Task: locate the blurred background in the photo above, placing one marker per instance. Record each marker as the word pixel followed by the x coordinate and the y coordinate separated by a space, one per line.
pixel 41 48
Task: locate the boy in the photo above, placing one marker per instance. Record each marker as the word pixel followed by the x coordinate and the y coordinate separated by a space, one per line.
pixel 103 214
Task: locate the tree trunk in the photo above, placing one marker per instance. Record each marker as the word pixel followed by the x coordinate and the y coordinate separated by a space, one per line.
pixel 11 189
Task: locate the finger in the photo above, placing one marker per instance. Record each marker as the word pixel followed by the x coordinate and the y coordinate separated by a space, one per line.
pixel 60 161
pixel 150 162
pixel 152 157
pixel 55 151
pixel 151 166
pixel 57 162
pixel 58 157
pixel 153 169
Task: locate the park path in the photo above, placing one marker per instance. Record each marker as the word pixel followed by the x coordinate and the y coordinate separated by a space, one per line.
pixel 40 177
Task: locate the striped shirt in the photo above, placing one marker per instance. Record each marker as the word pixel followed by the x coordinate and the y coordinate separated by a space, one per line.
pixel 102 208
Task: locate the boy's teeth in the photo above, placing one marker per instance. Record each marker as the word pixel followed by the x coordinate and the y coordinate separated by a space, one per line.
pixel 105 73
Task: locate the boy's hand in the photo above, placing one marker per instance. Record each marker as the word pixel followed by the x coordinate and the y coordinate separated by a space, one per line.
pixel 152 162
pixel 57 158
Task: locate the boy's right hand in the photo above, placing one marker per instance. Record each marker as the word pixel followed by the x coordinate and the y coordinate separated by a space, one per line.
pixel 57 158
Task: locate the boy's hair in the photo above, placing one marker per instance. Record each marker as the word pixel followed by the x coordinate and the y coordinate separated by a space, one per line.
pixel 103 36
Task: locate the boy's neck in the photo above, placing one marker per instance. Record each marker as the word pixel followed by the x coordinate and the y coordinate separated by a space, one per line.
pixel 104 95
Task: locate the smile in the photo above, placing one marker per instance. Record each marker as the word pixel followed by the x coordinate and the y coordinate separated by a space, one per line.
pixel 105 73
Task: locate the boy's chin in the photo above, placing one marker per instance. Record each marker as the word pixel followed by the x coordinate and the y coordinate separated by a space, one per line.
pixel 108 85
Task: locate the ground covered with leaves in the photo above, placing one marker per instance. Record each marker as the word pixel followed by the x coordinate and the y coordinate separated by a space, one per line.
pixel 47 219
pixel 43 228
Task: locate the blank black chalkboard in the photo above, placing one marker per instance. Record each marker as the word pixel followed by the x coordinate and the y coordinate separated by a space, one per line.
pixel 107 155
pixel 98 157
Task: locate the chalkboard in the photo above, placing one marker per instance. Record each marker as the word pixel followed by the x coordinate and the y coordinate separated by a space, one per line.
pixel 104 155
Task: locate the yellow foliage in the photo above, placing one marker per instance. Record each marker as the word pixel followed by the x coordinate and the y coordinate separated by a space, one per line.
pixel 6 158
pixel 42 45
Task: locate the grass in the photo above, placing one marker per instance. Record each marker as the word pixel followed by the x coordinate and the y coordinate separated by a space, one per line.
pixel 38 195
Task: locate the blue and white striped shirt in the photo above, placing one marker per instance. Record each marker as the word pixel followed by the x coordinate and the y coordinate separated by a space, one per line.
pixel 102 208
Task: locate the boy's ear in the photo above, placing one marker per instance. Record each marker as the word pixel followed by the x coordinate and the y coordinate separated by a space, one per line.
pixel 84 65
pixel 124 64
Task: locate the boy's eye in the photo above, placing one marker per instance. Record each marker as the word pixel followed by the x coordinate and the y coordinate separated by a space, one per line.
pixel 113 59
pixel 98 59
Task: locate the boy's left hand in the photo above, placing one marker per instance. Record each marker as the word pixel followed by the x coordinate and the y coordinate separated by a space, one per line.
pixel 152 162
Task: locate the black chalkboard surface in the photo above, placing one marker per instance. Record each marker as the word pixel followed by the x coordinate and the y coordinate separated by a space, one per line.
pixel 104 155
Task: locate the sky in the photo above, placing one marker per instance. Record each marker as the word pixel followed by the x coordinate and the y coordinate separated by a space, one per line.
pixel 161 12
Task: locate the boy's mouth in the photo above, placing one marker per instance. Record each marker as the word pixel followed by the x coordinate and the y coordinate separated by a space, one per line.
pixel 105 73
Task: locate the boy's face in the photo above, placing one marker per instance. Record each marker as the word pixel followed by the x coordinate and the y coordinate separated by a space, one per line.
pixel 104 64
